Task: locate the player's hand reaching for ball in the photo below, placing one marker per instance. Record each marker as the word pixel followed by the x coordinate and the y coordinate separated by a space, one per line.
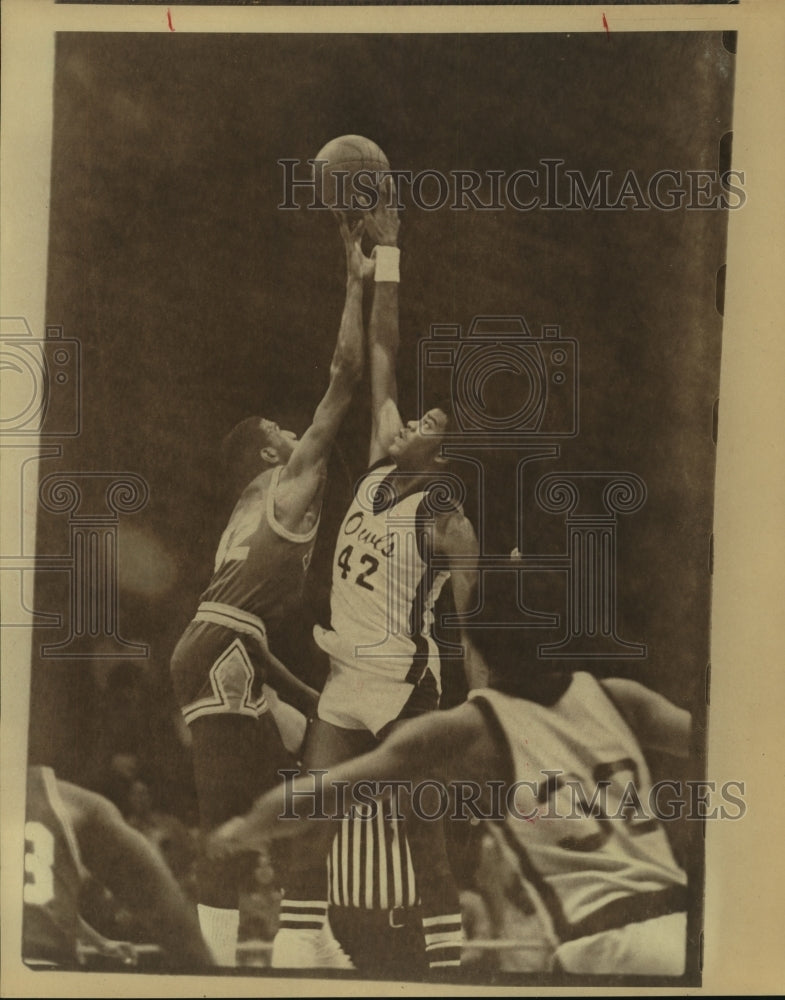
pixel 382 222
pixel 357 264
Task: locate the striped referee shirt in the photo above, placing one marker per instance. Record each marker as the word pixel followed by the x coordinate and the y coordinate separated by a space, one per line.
pixel 370 864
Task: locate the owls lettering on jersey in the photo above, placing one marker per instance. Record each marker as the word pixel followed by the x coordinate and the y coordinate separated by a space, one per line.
pixel 383 588
pixel 260 566
pixel 53 874
pixel 581 838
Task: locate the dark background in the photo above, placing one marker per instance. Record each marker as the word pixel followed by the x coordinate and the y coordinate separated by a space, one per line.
pixel 197 302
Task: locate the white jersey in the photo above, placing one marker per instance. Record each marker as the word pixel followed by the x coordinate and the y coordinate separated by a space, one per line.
pixel 383 588
pixel 581 860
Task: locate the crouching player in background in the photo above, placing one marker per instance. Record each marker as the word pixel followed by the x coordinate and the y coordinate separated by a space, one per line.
pixel 606 877
pixel 71 833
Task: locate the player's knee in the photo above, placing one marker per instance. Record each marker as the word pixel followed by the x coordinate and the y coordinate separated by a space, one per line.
pixel 227 754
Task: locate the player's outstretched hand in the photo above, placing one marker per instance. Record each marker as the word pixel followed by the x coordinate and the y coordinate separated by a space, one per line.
pixel 357 264
pixel 231 838
pixel 382 222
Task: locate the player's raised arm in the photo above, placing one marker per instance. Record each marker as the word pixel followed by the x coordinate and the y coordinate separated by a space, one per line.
pixel 382 226
pixel 302 476
pixel 457 541
pixel 126 863
pixel 657 723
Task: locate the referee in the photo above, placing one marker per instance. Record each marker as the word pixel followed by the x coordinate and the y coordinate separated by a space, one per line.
pixel 374 904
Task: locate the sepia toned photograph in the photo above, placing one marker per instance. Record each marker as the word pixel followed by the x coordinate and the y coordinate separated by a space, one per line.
pixel 360 456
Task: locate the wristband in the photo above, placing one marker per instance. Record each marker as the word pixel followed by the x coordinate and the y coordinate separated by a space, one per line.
pixel 387 264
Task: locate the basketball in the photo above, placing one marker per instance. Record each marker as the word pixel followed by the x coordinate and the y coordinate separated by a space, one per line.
pixel 349 172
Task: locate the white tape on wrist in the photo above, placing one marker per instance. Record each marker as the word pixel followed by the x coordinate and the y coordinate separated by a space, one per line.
pixel 388 261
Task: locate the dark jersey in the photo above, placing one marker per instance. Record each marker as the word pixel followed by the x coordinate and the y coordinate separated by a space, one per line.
pixel 260 566
pixel 53 875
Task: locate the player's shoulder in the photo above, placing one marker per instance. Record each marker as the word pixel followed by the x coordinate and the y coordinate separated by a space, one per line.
pixel 443 494
pixel 474 728
pixel 371 479
pixel 625 689
pixel 453 520
pixel 86 808
pixel 384 466
pixel 262 480
pixel 461 726
pixel 454 530
pixel 632 696
pixel 37 776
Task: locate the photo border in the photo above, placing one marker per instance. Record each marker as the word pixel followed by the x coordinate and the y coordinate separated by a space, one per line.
pixel 743 915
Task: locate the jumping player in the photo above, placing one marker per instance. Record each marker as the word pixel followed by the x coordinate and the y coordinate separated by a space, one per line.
pixel 605 875
pixel 222 661
pixel 70 832
pixel 397 547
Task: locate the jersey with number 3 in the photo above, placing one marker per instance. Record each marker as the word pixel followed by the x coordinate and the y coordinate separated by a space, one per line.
pixel 260 565
pixel 383 587
pixel 53 874
pixel 588 835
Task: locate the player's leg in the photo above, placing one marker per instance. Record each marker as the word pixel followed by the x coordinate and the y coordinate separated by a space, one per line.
pixel 233 758
pixel 440 903
pixel 383 944
pixel 236 751
pixel 441 911
pixel 304 939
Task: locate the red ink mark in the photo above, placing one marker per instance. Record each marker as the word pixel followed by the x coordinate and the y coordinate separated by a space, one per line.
pixel 605 25
pixel 534 817
pixel 171 26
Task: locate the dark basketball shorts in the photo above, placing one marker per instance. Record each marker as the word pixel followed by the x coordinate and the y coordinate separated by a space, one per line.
pixel 217 671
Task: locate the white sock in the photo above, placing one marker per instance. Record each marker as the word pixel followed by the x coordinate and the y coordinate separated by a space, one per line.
pixel 219 929
pixel 303 915
pixel 443 940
